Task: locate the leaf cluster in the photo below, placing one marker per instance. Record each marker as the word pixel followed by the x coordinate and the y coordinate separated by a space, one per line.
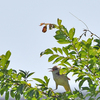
pixel 81 57
pixel 77 56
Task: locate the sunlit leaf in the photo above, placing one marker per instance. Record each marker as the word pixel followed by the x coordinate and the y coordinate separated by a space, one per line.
pixel 60 50
pixel 62 41
pixel 66 62
pixel 48 51
pixel 55 49
pixel 65 30
pixel 10 71
pixel 47 80
pixel 1 74
pixel 58 59
pixel 83 54
pixel 59 21
pixel 39 80
pixel 52 57
pixel 63 71
pixel 65 50
pixel 3 60
pixel 71 33
pixel 89 41
pixel 8 54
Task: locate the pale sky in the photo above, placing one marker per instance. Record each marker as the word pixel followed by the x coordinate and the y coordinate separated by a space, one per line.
pixel 21 34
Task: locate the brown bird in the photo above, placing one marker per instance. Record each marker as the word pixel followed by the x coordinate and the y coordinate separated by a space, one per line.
pixel 60 79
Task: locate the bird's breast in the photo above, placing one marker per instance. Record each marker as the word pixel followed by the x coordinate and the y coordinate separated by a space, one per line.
pixel 60 79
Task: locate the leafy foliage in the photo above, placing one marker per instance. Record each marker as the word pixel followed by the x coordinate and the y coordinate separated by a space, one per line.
pixel 84 57
pixel 77 56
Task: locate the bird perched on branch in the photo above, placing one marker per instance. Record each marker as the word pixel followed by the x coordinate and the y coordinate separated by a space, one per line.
pixel 60 79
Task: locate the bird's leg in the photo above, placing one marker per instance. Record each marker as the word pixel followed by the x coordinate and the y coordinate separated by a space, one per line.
pixel 56 86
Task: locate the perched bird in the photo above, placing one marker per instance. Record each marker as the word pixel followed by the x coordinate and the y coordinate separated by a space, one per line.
pixel 60 79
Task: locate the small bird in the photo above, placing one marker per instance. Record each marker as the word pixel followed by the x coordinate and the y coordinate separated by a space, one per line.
pixel 60 79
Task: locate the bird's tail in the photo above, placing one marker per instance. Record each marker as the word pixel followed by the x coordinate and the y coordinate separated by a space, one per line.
pixel 67 87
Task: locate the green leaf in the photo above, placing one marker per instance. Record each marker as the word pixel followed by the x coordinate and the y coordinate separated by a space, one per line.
pixel 31 93
pixel 8 54
pixel 63 71
pixel 2 91
pixel 36 94
pixel 7 95
pixel 29 90
pixel 17 96
pixel 66 62
pixel 70 47
pixel 60 50
pixel 52 57
pixel 30 74
pixel 49 93
pixel 89 81
pixel 60 36
pixel 75 40
pixel 12 93
pixel 58 32
pixel 62 41
pixel 39 80
pixel 20 89
pixel 78 46
pixel 65 30
pixel 59 21
pixel 81 83
pixel 98 98
pixel 41 54
pixel 72 52
pixel 92 98
pixel 79 78
pixel 71 33
pixel 10 71
pixel 47 80
pixel 83 54
pixel 89 42
pixel 58 59
pixel 1 74
pixel 3 60
pixel 55 49
pixel 85 88
pixel 65 50
pixel 65 59
pixel 48 51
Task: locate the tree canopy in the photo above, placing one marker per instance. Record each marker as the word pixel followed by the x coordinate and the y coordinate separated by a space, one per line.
pixel 79 56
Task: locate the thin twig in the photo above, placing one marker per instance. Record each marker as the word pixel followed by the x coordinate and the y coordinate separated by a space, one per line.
pixel 86 27
pixel 80 20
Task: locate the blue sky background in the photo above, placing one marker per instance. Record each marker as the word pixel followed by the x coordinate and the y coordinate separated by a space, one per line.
pixel 21 34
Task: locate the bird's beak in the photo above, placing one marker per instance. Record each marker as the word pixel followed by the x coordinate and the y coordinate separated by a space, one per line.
pixel 50 70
